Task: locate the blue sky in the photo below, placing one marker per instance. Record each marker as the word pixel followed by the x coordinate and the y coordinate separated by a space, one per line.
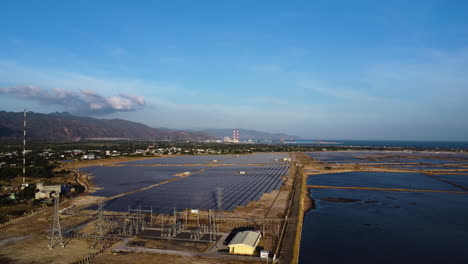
pixel 317 69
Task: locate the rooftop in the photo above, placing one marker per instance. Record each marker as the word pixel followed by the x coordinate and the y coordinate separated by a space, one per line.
pixel 249 238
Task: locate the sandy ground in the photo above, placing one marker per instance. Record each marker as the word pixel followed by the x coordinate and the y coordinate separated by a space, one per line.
pixel 31 246
pixel 35 250
pixel 143 258
pixel 170 245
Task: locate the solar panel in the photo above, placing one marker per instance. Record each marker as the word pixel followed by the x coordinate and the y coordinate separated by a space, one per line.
pixel 197 191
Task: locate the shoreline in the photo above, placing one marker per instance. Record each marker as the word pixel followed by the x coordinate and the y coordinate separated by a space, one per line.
pixel 309 202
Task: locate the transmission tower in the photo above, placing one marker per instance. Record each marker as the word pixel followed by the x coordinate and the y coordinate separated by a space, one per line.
pixel 56 236
pixel 219 202
pixel 101 218
pixel 220 199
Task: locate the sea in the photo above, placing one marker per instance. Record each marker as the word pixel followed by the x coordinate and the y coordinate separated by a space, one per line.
pixel 385 143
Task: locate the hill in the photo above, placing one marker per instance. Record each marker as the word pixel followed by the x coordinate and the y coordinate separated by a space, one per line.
pixel 64 126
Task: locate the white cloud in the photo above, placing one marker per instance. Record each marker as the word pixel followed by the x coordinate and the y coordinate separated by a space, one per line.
pixel 14 74
pixel 85 101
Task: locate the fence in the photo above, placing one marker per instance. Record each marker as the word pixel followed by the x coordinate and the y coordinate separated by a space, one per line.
pixel 93 255
pixel 24 217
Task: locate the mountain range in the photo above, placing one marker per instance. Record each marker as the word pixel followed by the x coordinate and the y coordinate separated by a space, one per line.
pixel 65 126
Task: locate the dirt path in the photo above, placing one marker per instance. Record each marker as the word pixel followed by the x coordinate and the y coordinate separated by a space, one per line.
pixel 82 182
pixel 381 189
pixel 293 225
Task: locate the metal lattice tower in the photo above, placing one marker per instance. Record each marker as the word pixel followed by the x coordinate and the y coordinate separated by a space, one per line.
pixel 56 236
pixel 101 218
pixel 212 226
pixel 141 220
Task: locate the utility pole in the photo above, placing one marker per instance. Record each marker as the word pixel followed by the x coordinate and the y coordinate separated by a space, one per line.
pixel 209 222
pixel 162 224
pixel 24 149
pixel 151 217
pixel 56 236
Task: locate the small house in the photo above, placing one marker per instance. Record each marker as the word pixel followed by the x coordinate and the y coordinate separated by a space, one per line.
pixel 244 243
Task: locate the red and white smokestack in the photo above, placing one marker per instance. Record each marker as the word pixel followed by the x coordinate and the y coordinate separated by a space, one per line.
pixel 235 135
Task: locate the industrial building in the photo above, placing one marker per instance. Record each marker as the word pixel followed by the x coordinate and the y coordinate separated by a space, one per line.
pixel 45 192
pixel 244 243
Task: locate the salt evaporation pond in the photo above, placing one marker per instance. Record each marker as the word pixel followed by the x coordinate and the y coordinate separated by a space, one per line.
pixel 425 168
pixel 369 226
pixel 388 157
pixel 408 180
pixel 461 179
pixel 386 227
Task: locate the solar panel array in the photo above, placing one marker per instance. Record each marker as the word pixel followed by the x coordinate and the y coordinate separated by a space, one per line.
pixel 199 190
pixel 115 180
pixel 182 159
pixel 257 158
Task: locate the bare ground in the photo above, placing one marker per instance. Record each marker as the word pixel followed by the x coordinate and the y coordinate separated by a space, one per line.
pixel 171 245
pixel 34 248
pixel 143 258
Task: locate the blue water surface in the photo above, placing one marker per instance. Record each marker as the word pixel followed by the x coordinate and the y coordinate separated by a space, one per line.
pixel 386 227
